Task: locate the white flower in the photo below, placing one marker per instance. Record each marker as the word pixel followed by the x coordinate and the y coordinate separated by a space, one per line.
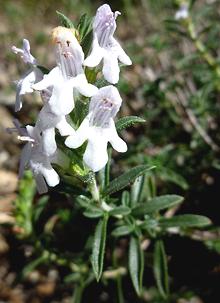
pixel 183 12
pixel 25 52
pixel 105 46
pixel 68 73
pixel 99 128
pixel 46 123
pixel 33 158
pixel 34 74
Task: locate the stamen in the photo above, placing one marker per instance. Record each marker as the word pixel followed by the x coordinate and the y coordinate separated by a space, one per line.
pixel 25 138
pixel 66 51
pixel 102 111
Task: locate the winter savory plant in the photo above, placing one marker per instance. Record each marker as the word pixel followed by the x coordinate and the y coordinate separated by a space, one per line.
pixel 68 149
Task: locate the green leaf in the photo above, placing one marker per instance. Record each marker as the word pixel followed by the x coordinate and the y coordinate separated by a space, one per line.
pixel 84 26
pixel 121 210
pixel 122 231
pixel 136 264
pixel 126 178
pixel 85 32
pixel 93 212
pixel 39 207
pixel 87 42
pixel 128 121
pixel 149 223
pixel 83 201
pixel 98 250
pixel 161 269
pixel 136 190
pixel 31 266
pixel 65 21
pixel 125 200
pixel 157 204
pixel 184 221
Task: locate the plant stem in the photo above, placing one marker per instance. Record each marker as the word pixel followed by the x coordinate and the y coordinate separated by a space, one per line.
pixel 94 189
pixel 77 295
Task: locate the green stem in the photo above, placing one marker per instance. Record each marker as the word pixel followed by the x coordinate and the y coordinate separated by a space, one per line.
pixel 119 289
pixel 118 280
pixel 77 295
pixel 94 189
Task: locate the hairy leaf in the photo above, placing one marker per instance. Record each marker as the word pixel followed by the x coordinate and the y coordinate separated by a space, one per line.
pixel 161 269
pixel 98 250
pixel 157 204
pixel 121 210
pixel 128 121
pixel 93 212
pixel 122 231
pixel 184 221
pixel 136 190
pixel 126 178
pixel 136 264
pixel 65 21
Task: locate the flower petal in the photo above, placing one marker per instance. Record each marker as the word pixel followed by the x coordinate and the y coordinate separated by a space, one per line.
pixel 49 142
pixel 116 142
pixel 51 176
pixel 80 136
pixel 46 119
pixel 41 184
pixel 25 52
pixel 65 128
pixel 96 54
pixel 24 159
pixel 54 76
pixel 62 101
pixel 40 165
pixel 84 88
pixel 96 155
pixel 110 67
pixel 122 56
pixel 23 87
pixel 34 133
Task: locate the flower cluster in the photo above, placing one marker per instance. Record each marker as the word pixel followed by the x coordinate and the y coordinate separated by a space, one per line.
pixel 59 90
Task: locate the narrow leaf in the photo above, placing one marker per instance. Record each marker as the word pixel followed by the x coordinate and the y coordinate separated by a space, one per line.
pixel 39 207
pixel 157 204
pixel 93 212
pixel 125 200
pixel 87 42
pixel 128 121
pixel 83 201
pixel 126 178
pixel 184 221
pixel 98 251
pixel 121 210
pixel 122 231
pixel 161 269
pixel 31 266
pixel 85 32
pixel 65 21
pixel 136 264
pixel 136 190
pixel 84 26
